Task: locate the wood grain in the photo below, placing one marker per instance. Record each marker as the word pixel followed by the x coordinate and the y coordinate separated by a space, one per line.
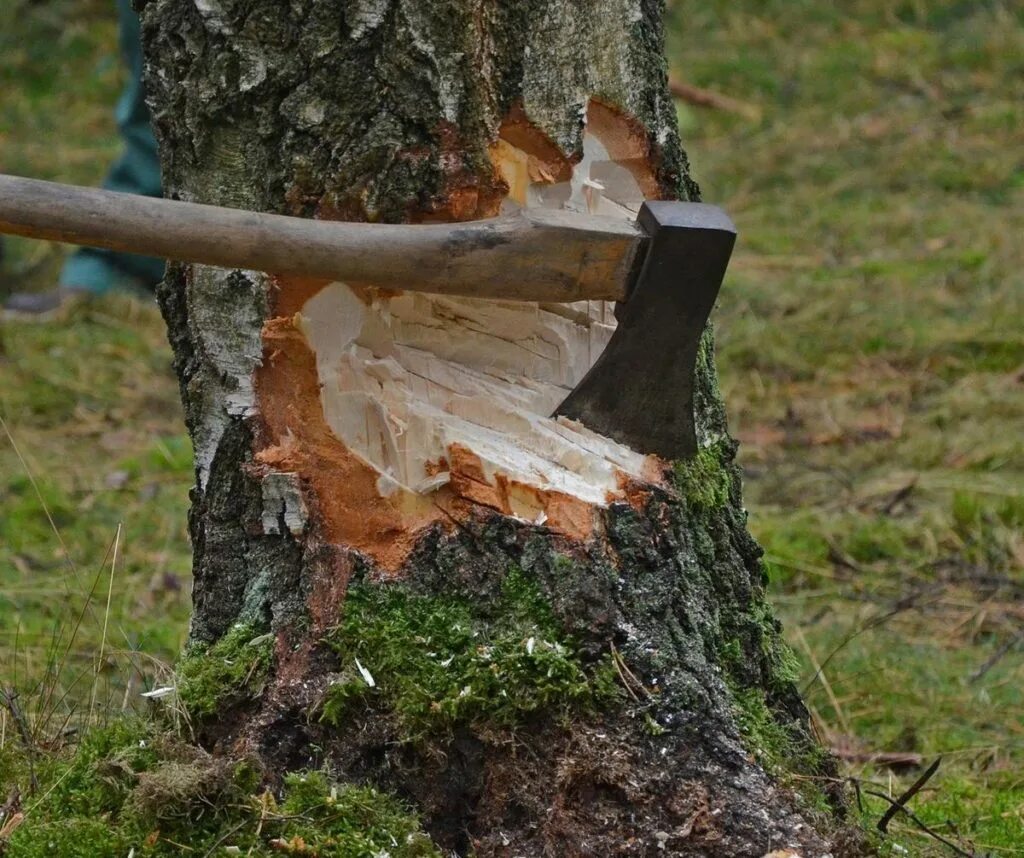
pixel 536 255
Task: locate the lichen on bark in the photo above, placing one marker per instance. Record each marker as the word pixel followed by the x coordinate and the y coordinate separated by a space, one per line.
pixel 385 110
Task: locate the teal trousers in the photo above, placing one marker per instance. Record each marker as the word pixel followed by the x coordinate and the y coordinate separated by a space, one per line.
pixel 136 171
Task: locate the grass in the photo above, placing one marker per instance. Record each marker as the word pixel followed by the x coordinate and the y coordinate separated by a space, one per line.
pixel 872 358
pixel 869 339
pixel 130 789
pixel 91 405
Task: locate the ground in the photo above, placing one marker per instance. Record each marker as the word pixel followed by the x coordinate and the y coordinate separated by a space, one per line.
pixel 870 347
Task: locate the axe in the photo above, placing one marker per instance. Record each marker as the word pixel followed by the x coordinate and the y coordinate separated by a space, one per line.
pixel 663 271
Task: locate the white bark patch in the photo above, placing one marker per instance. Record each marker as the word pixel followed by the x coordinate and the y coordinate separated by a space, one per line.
pixel 365 16
pixel 405 377
pixel 253 68
pixel 213 14
pixel 283 503
pixel 232 347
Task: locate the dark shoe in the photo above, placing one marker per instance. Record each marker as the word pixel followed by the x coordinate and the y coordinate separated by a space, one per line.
pixel 41 306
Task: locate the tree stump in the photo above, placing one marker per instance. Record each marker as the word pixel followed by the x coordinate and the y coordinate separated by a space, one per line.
pixel 549 643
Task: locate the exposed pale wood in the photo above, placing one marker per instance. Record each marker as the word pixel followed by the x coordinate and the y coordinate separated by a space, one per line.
pixel 536 255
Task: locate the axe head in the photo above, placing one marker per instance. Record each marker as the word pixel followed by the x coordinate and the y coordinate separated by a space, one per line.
pixel 640 390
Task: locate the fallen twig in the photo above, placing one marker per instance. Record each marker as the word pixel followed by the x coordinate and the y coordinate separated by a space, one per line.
pixel 915 788
pixel 8 828
pixel 892 759
pixel 899 496
pixel 917 821
pixel 995 658
pixel 898 805
pixel 700 97
pixel 10 807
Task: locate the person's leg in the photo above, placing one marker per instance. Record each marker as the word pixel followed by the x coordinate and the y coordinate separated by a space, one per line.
pixel 136 171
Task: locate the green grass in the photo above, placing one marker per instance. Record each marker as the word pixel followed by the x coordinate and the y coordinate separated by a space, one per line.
pixel 95 465
pixel 872 358
pixel 869 338
pixel 93 498
pixel 131 789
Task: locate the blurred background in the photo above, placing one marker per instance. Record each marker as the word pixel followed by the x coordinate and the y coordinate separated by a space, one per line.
pixel 870 343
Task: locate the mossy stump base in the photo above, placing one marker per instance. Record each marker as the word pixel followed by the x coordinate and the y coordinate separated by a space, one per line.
pixel 535 696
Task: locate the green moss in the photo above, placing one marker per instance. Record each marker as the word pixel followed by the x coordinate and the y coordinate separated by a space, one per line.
pixel 130 786
pixel 231 670
pixel 779 744
pixel 435 663
pixel 781 751
pixel 652 727
pixel 128 789
pixel 777 748
pixel 703 480
pixel 97 779
pixel 763 735
pixel 781 663
pixel 72 837
pixel 757 633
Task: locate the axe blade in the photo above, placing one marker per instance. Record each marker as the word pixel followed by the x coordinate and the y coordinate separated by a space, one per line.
pixel 640 390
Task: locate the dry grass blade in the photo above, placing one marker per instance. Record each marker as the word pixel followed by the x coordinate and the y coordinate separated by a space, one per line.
pixel 106 620
pixel 42 501
pixel 873 623
pixel 47 708
pixel 819 672
pixel 9 698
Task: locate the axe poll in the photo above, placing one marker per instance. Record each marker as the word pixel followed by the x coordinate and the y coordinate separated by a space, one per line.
pixel 663 271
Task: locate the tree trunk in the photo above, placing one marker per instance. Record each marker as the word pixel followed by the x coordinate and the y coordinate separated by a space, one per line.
pixel 548 643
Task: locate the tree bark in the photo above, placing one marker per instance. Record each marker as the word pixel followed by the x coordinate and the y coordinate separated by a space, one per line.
pixel 646 591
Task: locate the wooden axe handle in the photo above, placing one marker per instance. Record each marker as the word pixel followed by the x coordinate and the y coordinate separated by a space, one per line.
pixel 534 255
